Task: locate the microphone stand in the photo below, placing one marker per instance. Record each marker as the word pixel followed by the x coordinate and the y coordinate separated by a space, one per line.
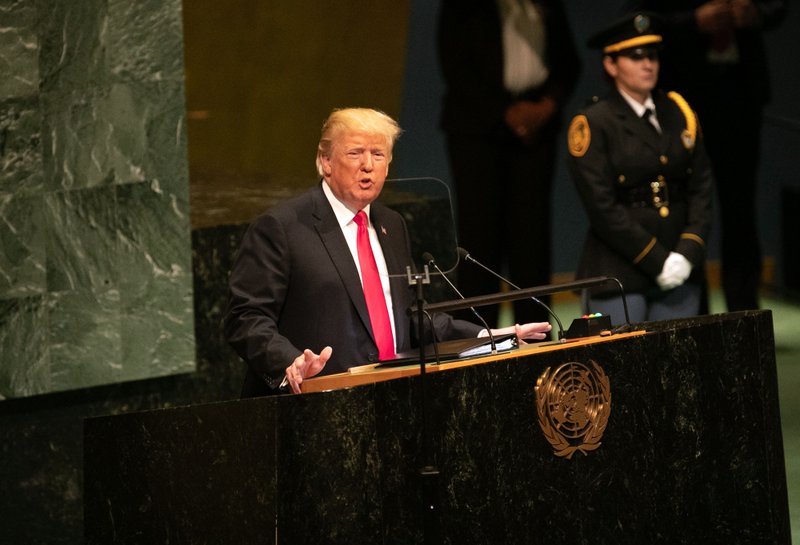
pixel 433 264
pixel 462 252
pixel 429 473
pixel 493 299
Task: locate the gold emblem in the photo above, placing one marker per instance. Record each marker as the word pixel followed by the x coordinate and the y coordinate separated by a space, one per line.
pixel 579 136
pixel 574 403
pixel 687 139
pixel 641 23
pixel 689 134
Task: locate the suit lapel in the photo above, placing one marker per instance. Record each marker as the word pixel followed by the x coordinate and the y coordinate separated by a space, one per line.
pixel 332 238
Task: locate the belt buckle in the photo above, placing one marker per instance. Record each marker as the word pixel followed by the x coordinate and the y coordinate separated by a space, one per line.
pixel 660 196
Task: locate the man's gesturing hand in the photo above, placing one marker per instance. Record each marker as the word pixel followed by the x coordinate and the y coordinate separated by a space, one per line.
pixel 306 365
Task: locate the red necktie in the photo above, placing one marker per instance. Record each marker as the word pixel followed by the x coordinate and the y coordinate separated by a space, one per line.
pixel 373 291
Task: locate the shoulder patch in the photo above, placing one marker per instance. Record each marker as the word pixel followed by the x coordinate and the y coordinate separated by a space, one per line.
pixel 689 134
pixel 579 136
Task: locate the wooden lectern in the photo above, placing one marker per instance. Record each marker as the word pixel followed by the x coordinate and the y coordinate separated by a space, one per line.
pixel 668 434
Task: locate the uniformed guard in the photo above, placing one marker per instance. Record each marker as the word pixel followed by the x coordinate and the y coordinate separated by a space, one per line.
pixel 637 159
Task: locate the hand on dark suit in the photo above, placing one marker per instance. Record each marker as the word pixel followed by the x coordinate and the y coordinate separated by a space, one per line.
pixel 745 14
pixel 526 118
pixel 714 17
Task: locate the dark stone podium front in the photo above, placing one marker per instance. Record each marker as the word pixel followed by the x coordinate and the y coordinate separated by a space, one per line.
pixel 692 453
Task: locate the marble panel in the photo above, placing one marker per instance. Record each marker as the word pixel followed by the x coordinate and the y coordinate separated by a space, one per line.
pixel 22 246
pixel 93 104
pixel 691 453
pixel 85 339
pixel 42 485
pixel 221 526
pixel 19 50
pixel 23 334
pixel 155 280
pixel 161 110
pixel 73 42
pixel 82 241
pixel 21 161
pixel 115 134
pixel 213 250
pixel 145 40
pixel 41 473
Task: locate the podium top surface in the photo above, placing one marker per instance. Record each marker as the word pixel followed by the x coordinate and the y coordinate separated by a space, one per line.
pixel 371 373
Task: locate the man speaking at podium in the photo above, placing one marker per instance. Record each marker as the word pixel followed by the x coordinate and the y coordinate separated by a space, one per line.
pixel 319 282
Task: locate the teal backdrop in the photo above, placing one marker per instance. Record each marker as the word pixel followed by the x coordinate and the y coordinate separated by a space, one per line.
pixel 421 150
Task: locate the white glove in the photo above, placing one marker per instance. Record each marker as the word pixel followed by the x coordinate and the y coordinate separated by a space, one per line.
pixel 675 271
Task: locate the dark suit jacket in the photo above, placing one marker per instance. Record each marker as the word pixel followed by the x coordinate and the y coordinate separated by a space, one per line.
pixel 685 67
pixel 470 49
pixel 629 240
pixel 294 285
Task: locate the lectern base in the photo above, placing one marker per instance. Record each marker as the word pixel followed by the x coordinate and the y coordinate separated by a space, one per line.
pixel 691 453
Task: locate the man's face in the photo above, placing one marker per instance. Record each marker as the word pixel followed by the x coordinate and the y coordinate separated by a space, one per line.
pixel 636 74
pixel 357 167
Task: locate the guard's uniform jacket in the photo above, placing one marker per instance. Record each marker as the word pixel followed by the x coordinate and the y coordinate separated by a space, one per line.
pixel 646 194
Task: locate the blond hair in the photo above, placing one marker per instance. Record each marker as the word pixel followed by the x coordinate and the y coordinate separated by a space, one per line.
pixel 344 120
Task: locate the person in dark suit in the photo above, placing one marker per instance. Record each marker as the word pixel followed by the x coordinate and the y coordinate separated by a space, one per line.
pixel 509 66
pixel 716 58
pixel 297 307
pixel 639 165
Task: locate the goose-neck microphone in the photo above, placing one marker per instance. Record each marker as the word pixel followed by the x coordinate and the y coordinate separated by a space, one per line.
pixel 463 254
pixel 430 261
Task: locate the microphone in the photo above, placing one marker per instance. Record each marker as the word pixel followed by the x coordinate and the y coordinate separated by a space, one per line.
pixel 428 258
pixel 462 253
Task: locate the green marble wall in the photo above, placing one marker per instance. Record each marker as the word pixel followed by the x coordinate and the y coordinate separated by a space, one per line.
pixel 95 254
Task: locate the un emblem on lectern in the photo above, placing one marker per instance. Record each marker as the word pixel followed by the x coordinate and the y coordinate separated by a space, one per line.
pixel 574 403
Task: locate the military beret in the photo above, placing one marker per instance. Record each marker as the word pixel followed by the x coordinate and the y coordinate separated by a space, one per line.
pixel 636 29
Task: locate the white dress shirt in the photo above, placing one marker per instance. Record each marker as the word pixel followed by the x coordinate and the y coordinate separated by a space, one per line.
pixel 524 37
pixel 344 216
pixel 640 108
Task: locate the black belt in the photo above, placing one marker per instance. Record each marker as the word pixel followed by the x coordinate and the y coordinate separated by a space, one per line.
pixel 644 196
